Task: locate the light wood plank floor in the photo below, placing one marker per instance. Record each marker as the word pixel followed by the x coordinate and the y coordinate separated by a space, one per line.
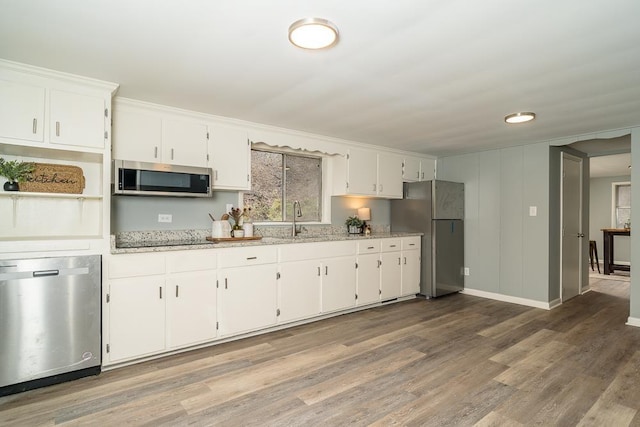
pixel 458 360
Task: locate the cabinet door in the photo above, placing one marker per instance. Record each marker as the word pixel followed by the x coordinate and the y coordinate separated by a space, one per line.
pixel 362 171
pixel 299 290
pixel 76 119
pixel 184 143
pixel 191 308
pixel 411 170
pixel 248 298
pixel 21 111
pixel 390 282
pixel 410 272
pixel 137 136
pixel 338 283
pixel 427 169
pixel 136 317
pixel 390 176
pixel 229 157
pixel 368 278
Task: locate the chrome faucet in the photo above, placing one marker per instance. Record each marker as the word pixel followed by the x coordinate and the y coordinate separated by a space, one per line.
pixel 296 213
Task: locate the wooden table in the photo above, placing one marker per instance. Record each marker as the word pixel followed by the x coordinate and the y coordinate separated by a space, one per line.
pixel 607 236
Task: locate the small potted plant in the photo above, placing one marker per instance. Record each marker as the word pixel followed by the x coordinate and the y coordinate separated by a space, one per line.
pixel 354 225
pixel 15 171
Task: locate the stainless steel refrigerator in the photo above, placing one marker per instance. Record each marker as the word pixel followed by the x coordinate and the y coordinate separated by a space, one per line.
pixel 435 208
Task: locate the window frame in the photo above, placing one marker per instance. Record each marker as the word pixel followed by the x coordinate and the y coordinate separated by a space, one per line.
pixel 614 201
pixel 325 195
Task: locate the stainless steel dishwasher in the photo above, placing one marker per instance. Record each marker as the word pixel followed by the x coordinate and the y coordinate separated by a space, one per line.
pixel 49 321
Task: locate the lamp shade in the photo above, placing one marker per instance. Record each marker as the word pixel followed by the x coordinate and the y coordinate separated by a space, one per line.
pixel 364 214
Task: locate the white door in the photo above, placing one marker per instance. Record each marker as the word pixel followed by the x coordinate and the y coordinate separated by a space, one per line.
pixel 136 317
pixel 390 283
pixel 363 171
pixel 247 298
pixel 76 119
pixel 368 275
pixel 571 220
pixel 390 175
pixel 338 283
pixel 137 136
pixel 191 308
pixel 184 143
pixel 299 290
pixel 21 111
pixel 229 157
pixel 410 272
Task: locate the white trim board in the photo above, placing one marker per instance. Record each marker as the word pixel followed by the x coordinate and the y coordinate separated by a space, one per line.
pixel 633 321
pixel 510 299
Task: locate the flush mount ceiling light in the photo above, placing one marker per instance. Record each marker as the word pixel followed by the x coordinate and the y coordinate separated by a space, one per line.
pixel 313 33
pixel 519 117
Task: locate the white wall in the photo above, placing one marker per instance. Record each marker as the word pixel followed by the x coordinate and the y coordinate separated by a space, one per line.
pixel 600 217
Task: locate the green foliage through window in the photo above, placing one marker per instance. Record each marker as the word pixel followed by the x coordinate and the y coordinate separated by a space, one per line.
pixel 279 179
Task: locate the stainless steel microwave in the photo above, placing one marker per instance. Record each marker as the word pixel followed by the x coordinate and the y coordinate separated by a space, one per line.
pixel 157 179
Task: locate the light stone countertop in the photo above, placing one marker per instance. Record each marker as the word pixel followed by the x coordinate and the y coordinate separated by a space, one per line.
pixel 160 241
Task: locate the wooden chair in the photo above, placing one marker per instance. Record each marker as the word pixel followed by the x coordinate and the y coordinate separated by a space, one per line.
pixel 593 253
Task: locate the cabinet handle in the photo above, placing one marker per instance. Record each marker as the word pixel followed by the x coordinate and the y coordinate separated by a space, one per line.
pixel 172 154
pixel 398 260
pixel 225 283
pixel 405 260
pixel 318 271
pixel 160 288
pixel 155 152
pixel 418 175
pixel 392 246
pixel 57 128
pixel 381 190
pixel 326 270
pixel 35 125
pixel 215 175
pixel 369 247
pixel 412 244
pixel 379 263
pixel 422 175
pixel 176 291
pixel 374 187
pixel 252 257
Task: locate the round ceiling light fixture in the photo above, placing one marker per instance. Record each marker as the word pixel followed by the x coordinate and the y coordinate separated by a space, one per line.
pixel 313 33
pixel 519 117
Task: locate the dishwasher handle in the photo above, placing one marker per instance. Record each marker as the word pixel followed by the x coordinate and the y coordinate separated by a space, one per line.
pixel 45 273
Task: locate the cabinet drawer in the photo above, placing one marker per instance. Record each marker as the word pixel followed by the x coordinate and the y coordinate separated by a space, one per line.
pixel 315 250
pixel 390 245
pixel 369 246
pixel 412 242
pixel 193 260
pixel 241 257
pixel 133 265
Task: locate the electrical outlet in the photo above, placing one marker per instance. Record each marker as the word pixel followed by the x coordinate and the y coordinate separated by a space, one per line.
pixel 533 210
pixel 165 218
pixel 466 271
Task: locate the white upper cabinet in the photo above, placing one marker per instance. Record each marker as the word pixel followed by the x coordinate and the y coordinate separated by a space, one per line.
pixel 389 176
pixel 156 134
pixel 418 169
pixel 136 136
pixel 368 173
pixel 21 111
pixel 77 120
pixel 229 157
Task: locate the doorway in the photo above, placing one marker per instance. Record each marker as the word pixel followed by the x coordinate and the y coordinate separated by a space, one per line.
pixel 571 221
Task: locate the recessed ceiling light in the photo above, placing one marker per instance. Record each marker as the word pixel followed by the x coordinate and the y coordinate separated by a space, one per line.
pixel 519 117
pixel 313 33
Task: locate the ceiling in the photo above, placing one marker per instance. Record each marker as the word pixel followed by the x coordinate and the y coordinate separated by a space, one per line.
pixel 430 76
pixel 614 165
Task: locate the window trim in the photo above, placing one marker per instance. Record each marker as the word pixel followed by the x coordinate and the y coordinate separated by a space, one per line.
pixel 614 192
pixel 325 196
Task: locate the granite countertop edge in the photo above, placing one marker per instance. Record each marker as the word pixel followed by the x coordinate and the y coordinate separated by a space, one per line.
pixel 265 241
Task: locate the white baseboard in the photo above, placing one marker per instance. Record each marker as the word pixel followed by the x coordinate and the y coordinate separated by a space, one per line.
pixel 510 299
pixel 633 321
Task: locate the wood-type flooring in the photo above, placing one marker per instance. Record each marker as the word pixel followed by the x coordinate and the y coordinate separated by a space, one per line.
pixel 457 360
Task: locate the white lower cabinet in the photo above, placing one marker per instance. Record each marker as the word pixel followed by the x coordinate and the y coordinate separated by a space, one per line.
pixel 390 281
pixel 191 308
pixel 299 290
pixel 410 272
pixel 338 283
pixel 368 278
pixel 247 298
pixel 137 317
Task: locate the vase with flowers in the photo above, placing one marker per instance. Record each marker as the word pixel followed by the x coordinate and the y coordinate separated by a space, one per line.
pixel 240 217
pixel 247 224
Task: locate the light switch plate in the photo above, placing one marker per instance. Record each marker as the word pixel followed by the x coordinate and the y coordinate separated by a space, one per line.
pixel 466 271
pixel 533 211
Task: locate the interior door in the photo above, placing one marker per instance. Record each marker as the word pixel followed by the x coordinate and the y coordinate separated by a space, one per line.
pixel 571 219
